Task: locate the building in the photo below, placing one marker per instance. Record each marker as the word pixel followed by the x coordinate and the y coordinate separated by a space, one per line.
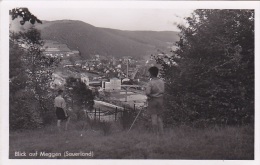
pixel 57 82
pixel 78 63
pixel 84 78
pixel 113 85
pixel 75 52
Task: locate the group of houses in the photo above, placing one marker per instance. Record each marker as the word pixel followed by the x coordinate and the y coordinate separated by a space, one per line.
pixel 56 49
pixel 108 67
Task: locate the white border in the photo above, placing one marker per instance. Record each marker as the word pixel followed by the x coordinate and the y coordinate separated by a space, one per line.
pixel 4 66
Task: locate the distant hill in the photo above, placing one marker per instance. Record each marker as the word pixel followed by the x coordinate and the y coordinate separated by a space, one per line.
pixel 90 40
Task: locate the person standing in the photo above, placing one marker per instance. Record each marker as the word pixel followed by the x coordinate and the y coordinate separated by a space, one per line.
pixel 155 91
pixel 61 113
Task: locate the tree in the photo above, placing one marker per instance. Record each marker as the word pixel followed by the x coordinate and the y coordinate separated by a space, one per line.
pixel 22 111
pixel 80 95
pixel 30 76
pixel 210 76
pixel 25 14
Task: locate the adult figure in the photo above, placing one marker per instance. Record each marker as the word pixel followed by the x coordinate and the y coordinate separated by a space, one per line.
pixel 154 91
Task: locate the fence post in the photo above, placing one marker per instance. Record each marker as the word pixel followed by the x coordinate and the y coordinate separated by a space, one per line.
pixel 134 107
pixel 99 114
pixel 115 113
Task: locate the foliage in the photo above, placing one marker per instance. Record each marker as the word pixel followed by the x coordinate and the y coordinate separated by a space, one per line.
pixel 24 111
pixel 25 14
pixel 80 96
pixel 30 76
pixel 17 71
pixel 210 77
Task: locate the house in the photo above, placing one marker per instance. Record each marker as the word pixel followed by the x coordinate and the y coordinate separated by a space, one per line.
pixel 75 52
pixel 57 81
pixel 113 85
pixel 78 63
pixel 84 78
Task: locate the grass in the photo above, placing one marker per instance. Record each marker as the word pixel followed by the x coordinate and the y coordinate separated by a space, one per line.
pixel 229 143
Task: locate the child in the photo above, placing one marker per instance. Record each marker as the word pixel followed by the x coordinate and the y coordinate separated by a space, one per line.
pixel 154 91
pixel 61 113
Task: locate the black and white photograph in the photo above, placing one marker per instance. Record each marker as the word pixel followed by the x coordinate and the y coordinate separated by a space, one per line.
pixel 143 81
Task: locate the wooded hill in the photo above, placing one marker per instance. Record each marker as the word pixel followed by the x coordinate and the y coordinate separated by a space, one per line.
pixel 90 40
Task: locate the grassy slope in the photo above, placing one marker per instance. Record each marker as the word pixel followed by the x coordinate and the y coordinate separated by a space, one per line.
pixel 177 143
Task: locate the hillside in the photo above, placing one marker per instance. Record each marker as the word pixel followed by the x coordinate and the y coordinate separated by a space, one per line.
pixel 91 40
pixel 111 142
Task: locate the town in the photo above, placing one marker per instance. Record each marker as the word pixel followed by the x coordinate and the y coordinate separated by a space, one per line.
pixel 123 78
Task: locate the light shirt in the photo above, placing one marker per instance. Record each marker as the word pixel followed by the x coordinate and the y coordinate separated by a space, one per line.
pixel 59 102
pixel 155 87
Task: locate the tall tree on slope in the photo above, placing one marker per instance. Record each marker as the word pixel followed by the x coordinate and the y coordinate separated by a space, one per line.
pixel 210 76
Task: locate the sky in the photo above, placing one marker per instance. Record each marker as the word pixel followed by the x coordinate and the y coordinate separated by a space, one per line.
pixel 155 19
pixel 123 15
pixel 130 15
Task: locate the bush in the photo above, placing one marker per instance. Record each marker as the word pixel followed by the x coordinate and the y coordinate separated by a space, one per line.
pixel 24 112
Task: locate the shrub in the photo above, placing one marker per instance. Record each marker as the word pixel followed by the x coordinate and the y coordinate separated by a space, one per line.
pixel 24 112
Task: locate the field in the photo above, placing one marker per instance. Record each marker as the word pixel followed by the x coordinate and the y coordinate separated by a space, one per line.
pixel 229 143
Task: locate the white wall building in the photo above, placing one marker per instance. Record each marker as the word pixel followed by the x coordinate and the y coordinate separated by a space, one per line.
pixel 114 84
